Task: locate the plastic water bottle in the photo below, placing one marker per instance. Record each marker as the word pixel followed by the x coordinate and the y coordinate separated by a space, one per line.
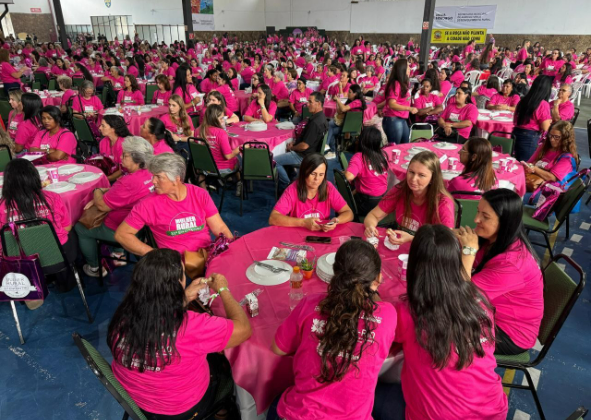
pixel 225 124
pixel 296 288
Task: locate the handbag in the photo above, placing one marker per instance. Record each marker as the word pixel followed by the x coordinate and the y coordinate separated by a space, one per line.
pixel 92 217
pixel 195 263
pixel 104 163
pixel 22 276
pixel 533 182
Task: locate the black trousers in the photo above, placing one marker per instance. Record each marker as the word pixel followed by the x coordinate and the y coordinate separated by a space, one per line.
pixel 504 344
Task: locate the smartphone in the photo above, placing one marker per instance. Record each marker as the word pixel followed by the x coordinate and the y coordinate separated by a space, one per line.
pixel 357 237
pixel 318 239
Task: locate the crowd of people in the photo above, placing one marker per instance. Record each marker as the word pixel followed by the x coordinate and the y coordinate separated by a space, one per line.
pixel 471 293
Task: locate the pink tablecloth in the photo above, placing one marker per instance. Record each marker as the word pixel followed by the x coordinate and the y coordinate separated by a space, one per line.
pixel 243 99
pixel 517 177
pixel 96 79
pixel 254 367
pixel 330 109
pixel 272 136
pixel 51 100
pixel 135 121
pixel 485 127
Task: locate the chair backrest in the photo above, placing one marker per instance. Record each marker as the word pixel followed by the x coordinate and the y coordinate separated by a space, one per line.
pixel 151 88
pixel 5 157
pixel 466 208
pixel 344 189
pixel 201 156
pixel 473 76
pixel 575 116
pixel 104 373
pixel 36 85
pixel 507 143
pixel 322 144
pixel 195 120
pixel 570 199
pixel 353 123
pixel 52 85
pixel 589 136
pixel 40 77
pixel 77 82
pixel 5 109
pixel 35 238
pixel 420 130
pixel 257 162
pixel 305 112
pixel 82 129
pixel 343 160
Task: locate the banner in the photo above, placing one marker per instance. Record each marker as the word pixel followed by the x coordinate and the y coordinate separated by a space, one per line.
pixel 202 13
pixel 460 17
pixel 457 36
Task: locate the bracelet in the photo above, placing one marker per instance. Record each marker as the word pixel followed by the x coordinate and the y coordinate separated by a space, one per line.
pixel 212 297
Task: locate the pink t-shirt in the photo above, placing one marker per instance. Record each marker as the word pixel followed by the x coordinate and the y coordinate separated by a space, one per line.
pixel 246 74
pixel 117 82
pixel 560 168
pixel 334 90
pixel 6 71
pixel 393 202
pixel 57 213
pixel 207 85
pixel 309 399
pixel 538 117
pixel 514 285
pixel 521 55
pixel 566 110
pixel 395 95
pixel 254 110
pixel 229 96
pixel 188 96
pixel 14 121
pixel 457 78
pixel 161 98
pixel 473 393
pixel 124 194
pixel 428 101
pixel 133 70
pixel 290 205
pixel 454 114
pixel 299 99
pixel 130 98
pixel 280 91
pixel 26 134
pixel 464 183
pixel 114 151
pixel 488 92
pixel 445 87
pixel 178 225
pixel 327 81
pixel 367 181
pixel 369 82
pixel 500 99
pixel 80 104
pixel 173 127
pixel 219 144
pixel 67 95
pixel 63 140
pixel 551 67
pixel 162 147
pixel 177 387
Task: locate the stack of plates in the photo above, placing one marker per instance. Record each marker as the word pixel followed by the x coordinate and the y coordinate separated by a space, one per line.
pixel 256 126
pixel 324 267
pixel 483 118
pixel 444 146
pixel 1 179
pixel 145 108
pixel 69 169
pixel 286 125
pixel 60 187
pixel 83 177
pixel 485 111
pixel 416 149
pixel 449 175
pixel 404 166
pixel 503 183
pixel 113 111
pixel 264 277
pixel 42 172
pixel 503 119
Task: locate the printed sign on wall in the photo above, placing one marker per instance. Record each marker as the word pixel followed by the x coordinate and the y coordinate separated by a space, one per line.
pixel 202 12
pixel 459 17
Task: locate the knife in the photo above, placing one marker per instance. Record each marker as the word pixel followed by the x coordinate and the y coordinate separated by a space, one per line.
pixel 270 267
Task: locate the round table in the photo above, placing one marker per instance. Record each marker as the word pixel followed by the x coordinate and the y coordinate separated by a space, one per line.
pixel 243 99
pixel 135 120
pixel 254 366
pixel 97 79
pixel 516 177
pixel 487 124
pixel 273 136
pixel 54 99
pixel 330 109
pixel 75 200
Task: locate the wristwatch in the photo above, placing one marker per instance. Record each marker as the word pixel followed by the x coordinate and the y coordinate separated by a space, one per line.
pixel 468 250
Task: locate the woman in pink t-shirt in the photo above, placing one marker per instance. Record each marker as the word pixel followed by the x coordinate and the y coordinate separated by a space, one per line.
pixel 16 116
pixel 262 108
pixel 31 124
pixel 216 98
pixel 556 159
pixel 178 122
pixel 183 86
pixel 298 99
pixel 87 102
pixel 458 118
pixel 446 85
pixel 369 170
pixel 355 103
pixel 506 269
pixel 9 76
pixel 398 104
pixel 506 100
pixel 428 104
pixel 309 201
pixel 227 90
pixel 335 336
pixel 115 78
pixel 485 92
pixel 114 129
pixel 564 75
pixel 212 130
pixel 478 174
pixel 58 143
pixel 561 107
pixel 131 93
pixel 162 95
pixel 446 328
pixel 154 130
pixel 180 378
pixel 419 199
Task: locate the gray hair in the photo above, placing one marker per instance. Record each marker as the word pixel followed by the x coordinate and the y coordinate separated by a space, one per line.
pixel 65 81
pixel 371 69
pixel 308 58
pixel 570 88
pixel 280 75
pixel 171 164
pixel 140 149
pixel 87 84
pixel 43 62
pixel 117 69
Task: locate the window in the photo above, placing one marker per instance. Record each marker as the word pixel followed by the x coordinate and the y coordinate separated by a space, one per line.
pixel 112 26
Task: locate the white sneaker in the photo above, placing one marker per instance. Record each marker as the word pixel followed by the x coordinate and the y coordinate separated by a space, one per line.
pixel 326 148
pixel 330 155
pixel 93 271
pixel 238 188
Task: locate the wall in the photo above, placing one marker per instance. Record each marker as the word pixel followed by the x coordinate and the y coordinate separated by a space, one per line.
pixel 41 24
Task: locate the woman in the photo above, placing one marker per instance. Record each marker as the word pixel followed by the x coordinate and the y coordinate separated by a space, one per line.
pixel 309 201
pixel 115 78
pixel 562 108
pixel 162 95
pixel 135 153
pixel 507 100
pixel 369 170
pixel 180 216
pixel 160 348
pixel 419 199
pixel 298 99
pixel 370 81
pixel 65 85
pixel 130 95
pixel 532 118
pixel 478 174
pixel 8 74
pixel 114 129
pixel 398 106
pixel 177 121
pixel 216 98
pixel 57 142
pixel 323 328
pixel 446 328
pixel 446 85
pixel 31 124
pixel 355 103
pixel 262 108
pixel 59 68
pixel 131 67
pixel 210 81
pixel 564 75
pixel 23 198
pixel 225 88
pixel 183 86
pixel 212 131
pixel 87 102
pixel 81 71
pixel 499 258
pixel 16 116
pixel 154 130
pixel 427 103
pixel 458 118
pixel 341 88
pixel 486 91
pixel 233 77
pixel 556 159
pixel 457 77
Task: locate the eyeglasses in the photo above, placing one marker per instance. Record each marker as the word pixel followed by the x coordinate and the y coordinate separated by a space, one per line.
pixel 562 90
pixel 555 137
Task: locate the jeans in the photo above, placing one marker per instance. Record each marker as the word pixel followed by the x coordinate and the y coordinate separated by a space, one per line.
pixel 389 402
pixel 87 240
pixel 396 130
pixel 333 131
pixel 272 412
pixel 526 143
pixel 11 86
pixel 286 159
pixel 297 119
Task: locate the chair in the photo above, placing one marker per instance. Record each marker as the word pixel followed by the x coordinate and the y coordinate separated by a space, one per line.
pixel 195 120
pixel 257 165
pixel 466 208
pixel 102 369
pixel 36 85
pixel 507 143
pixel 151 88
pixel 575 117
pixel 562 209
pixel 5 109
pixel 305 112
pixel 41 78
pixel 77 82
pixel 105 96
pixel 204 164
pixel 352 125
pixel 344 188
pixel 560 295
pixel 420 131
pixel 343 160
pixel 83 132
pixel 579 414
pixel 5 157
pixel 52 85
pixel 322 145
pixel 37 236
pixel 473 76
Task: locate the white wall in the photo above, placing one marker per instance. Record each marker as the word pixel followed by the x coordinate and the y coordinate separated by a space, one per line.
pixel 169 12
pixel 24 6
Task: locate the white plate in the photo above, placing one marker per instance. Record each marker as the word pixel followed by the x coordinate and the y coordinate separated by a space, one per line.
pixel 484 111
pixel 483 118
pixel 83 177
pixel 417 149
pixel 69 169
pixel 503 119
pixel 263 277
pixel 503 183
pixel 60 187
pixel 444 146
pixel 325 263
pixel 42 171
pixel 495 154
pixel 449 175
pixel 389 245
pixel 404 166
pixel 323 276
pixel 408 157
pixel 330 258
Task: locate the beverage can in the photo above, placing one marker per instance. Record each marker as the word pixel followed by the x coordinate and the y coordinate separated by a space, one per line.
pixel 453 163
pixel 396 155
pixel 53 174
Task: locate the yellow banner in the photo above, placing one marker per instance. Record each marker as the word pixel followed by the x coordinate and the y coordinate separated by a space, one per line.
pixel 457 36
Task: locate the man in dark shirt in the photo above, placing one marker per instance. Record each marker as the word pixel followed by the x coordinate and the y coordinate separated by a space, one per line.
pixel 309 142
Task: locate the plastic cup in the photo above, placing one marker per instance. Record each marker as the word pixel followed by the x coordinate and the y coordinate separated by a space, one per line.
pixel 402 266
